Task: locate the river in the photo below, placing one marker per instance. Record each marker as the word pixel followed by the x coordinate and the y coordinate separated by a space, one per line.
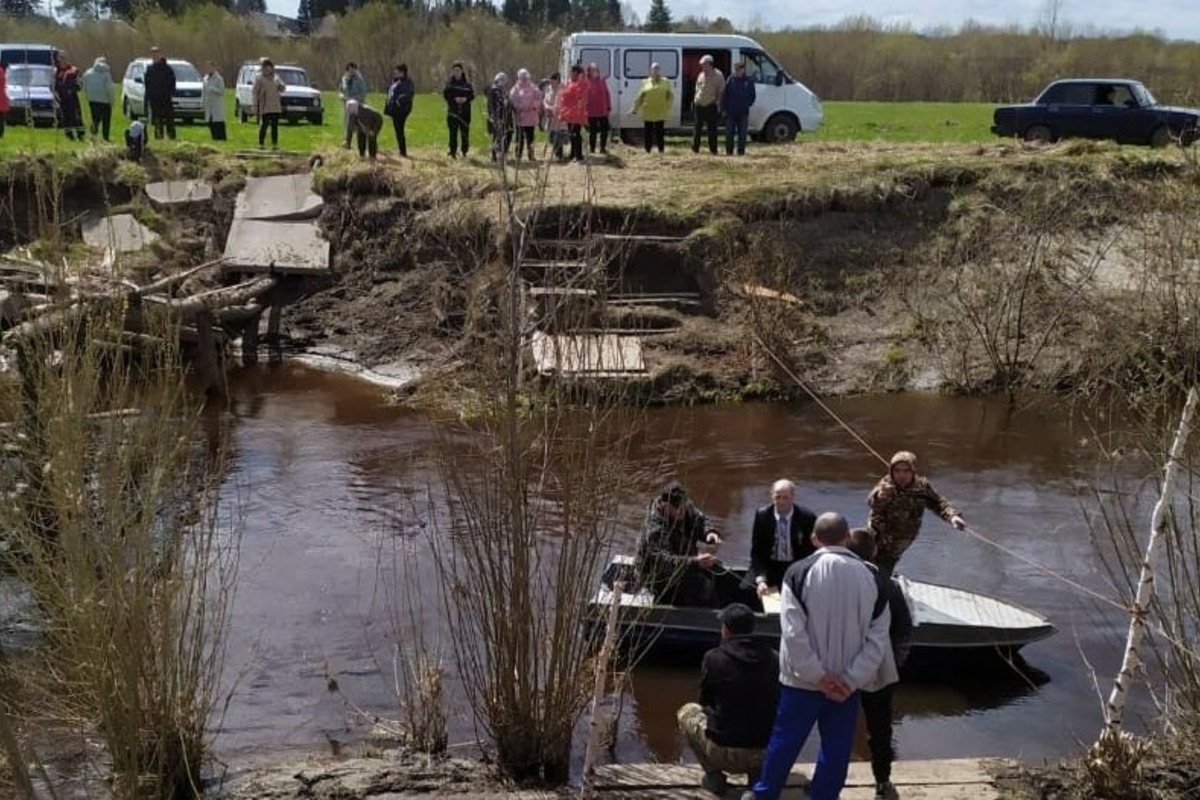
pixel 332 480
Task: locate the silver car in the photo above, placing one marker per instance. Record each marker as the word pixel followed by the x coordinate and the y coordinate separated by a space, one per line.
pixel 31 95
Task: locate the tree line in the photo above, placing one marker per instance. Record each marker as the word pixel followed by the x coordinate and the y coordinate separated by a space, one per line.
pixel 859 59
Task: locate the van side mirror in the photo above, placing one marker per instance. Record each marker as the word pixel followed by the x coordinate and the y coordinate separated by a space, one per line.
pixel 779 79
pixel 139 79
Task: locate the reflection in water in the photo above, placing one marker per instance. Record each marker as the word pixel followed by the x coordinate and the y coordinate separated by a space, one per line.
pixel 336 484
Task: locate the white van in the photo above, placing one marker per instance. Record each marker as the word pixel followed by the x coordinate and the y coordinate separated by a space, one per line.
pixel 783 108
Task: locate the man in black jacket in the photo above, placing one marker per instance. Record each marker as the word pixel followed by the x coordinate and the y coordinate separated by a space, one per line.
pixel 458 94
pixel 781 536
pixel 739 689
pixel 877 705
pixel 159 83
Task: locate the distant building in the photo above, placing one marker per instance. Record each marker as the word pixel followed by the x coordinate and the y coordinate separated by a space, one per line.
pixel 274 26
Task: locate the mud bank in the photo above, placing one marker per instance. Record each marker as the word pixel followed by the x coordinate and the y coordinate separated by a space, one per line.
pixel 858 268
pixel 861 269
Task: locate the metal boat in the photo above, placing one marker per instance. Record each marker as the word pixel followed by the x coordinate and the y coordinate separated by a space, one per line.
pixel 946 620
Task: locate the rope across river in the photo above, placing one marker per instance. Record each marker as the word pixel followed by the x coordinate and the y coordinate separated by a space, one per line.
pixel 971 530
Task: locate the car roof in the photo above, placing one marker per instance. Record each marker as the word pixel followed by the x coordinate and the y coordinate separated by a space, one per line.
pixel 1096 80
pixel 257 62
pixel 146 60
pixel 7 45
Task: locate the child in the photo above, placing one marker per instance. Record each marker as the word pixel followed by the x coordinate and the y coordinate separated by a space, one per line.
pixel 365 122
pixel 135 141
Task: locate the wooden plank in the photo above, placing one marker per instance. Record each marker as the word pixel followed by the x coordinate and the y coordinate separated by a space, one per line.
pixel 560 291
pixel 600 356
pixel 948 779
pixel 552 264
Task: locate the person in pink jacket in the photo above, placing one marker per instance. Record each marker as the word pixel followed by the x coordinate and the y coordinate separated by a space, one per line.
pixel 599 107
pixel 573 110
pixel 526 101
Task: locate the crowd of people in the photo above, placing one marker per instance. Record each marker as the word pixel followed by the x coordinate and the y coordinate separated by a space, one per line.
pixel 516 110
pixel 845 624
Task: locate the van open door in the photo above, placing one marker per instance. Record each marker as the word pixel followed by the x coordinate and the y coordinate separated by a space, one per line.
pixel 633 68
pixel 722 60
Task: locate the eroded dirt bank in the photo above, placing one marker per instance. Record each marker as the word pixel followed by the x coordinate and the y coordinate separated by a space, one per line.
pixel 862 269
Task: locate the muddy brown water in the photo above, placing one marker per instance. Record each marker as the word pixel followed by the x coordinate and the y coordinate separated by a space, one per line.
pixel 334 481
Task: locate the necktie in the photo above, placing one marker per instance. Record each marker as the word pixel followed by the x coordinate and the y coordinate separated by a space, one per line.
pixel 783 539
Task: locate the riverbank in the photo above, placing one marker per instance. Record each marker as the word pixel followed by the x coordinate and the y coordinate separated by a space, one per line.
pixel 858 267
pixel 861 268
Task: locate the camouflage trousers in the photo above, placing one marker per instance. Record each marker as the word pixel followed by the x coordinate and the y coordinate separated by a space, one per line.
pixel 712 756
pixel 889 550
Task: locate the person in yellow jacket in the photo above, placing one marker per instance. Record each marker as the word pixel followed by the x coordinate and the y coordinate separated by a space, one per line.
pixel 654 104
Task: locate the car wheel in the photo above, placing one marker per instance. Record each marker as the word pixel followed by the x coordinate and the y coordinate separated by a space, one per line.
pixel 1160 136
pixel 316 119
pixel 241 114
pixel 1038 133
pixel 780 129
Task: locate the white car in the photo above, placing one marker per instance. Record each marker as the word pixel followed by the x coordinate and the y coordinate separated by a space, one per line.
pixel 188 83
pixel 31 95
pixel 301 100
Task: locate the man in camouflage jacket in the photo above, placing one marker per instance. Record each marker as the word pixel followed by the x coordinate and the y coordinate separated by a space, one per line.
pixel 897 503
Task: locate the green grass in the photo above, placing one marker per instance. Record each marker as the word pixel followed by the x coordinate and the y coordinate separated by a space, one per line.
pixel 906 122
pixel 844 121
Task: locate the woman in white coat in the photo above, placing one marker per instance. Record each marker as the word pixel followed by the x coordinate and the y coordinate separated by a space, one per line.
pixel 213 99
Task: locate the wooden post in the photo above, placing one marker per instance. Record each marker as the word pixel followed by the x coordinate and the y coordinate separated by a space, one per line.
pixel 250 340
pixel 595 727
pixel 208 356
pixel 1114 711
pixel 274 342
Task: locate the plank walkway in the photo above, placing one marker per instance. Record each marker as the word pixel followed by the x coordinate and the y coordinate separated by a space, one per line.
pixel 952 779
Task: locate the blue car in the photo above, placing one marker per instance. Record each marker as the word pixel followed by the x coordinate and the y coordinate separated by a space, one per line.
pixel 1089 108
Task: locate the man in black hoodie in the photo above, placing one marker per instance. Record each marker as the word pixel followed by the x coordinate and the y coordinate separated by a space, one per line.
pixel 739 690
pixel 159 84
pixel 458 94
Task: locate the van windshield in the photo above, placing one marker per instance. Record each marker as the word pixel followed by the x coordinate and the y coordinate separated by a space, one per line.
pixel 31 76
pixel 185 72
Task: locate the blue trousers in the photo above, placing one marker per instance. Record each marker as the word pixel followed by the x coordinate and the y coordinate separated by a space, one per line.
pixel 798 710
pixel 736 124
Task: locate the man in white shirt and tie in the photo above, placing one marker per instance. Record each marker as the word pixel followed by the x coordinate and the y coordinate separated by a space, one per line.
pixel 782 535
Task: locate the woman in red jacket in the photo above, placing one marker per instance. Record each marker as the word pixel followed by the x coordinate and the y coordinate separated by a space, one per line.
pixel 599 107
pixel 573 110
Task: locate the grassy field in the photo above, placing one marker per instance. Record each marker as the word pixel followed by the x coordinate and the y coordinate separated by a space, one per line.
pixel 852 122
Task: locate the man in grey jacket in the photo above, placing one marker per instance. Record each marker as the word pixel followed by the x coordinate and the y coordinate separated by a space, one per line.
pixel 835 642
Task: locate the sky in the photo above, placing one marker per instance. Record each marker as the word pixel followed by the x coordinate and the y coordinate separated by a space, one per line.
pixel 1176 19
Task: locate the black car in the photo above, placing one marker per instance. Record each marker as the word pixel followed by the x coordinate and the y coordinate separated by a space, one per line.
pixel 1121 110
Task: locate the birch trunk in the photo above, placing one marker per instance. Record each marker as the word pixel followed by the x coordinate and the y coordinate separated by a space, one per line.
pixel 595 727
pixel 1114 711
